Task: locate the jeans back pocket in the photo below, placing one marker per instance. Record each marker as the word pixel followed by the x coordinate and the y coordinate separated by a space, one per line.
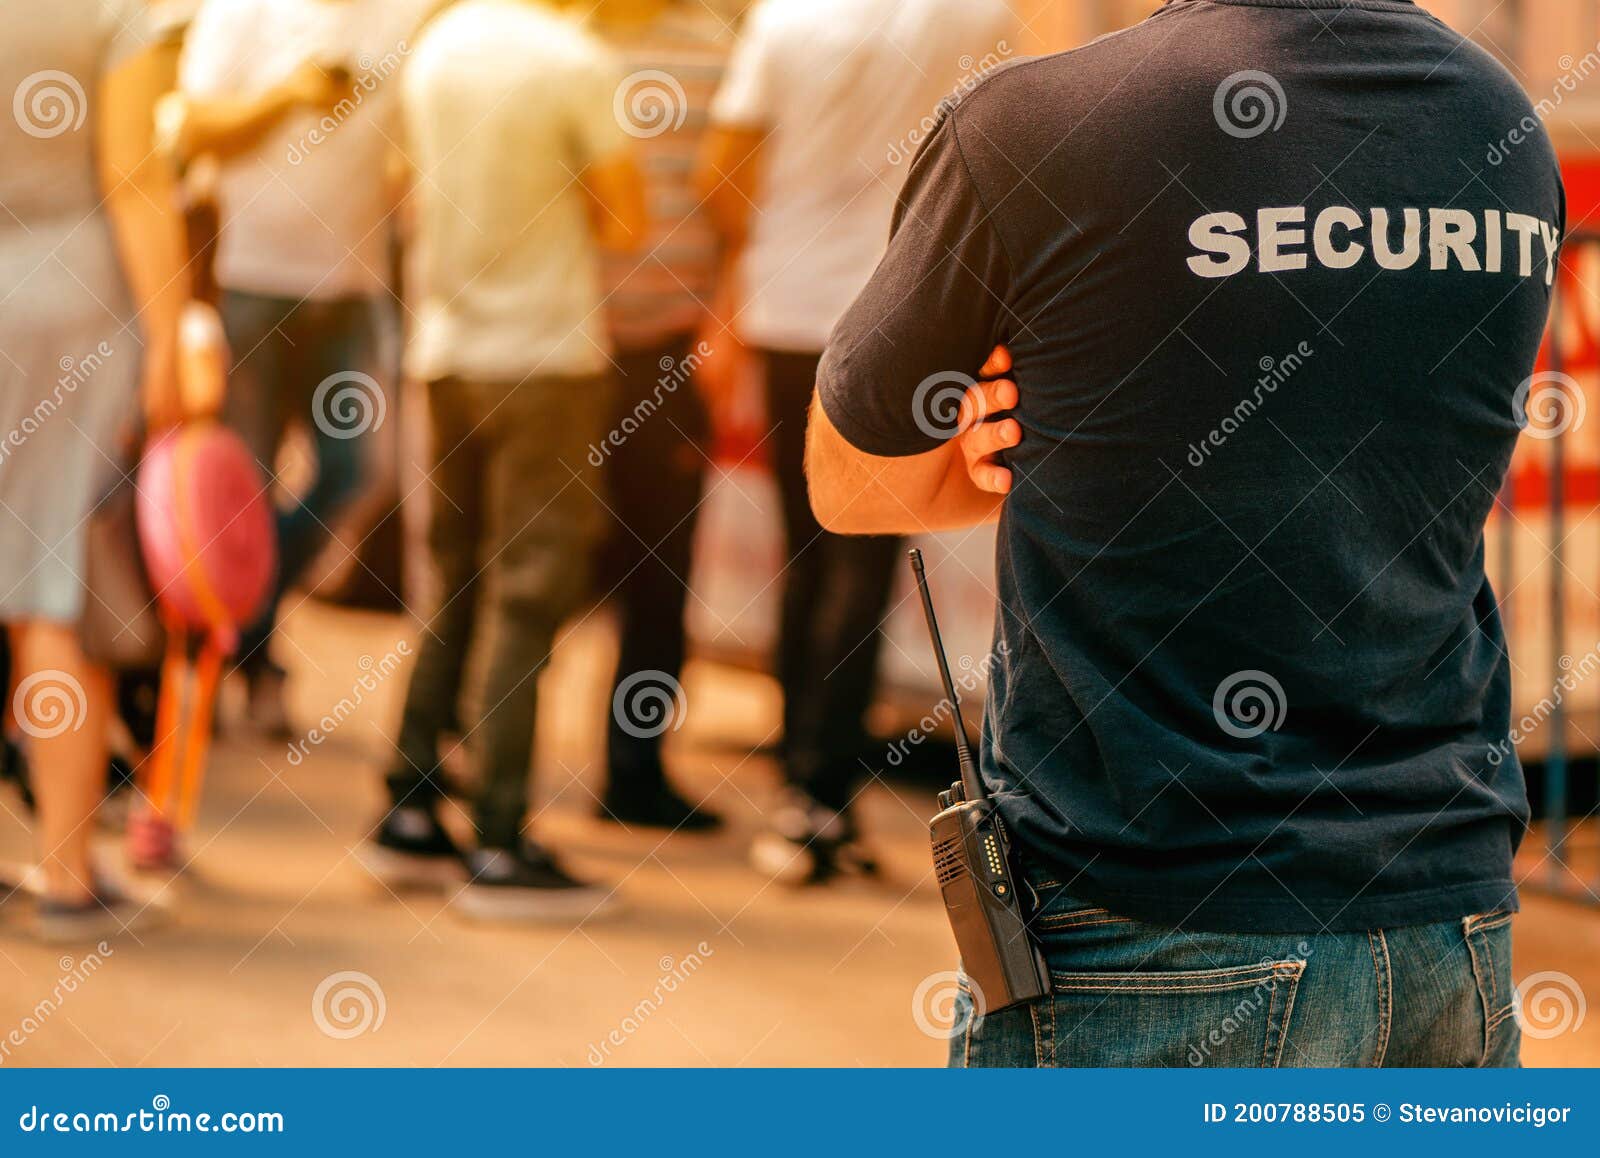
pixel 1227 1016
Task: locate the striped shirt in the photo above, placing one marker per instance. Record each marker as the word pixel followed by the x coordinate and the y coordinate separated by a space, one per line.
pixel 673 65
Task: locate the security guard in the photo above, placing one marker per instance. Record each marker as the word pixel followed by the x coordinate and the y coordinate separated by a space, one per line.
pixel 1247 719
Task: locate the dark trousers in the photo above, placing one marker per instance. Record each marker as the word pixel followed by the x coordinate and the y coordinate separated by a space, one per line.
pixel 653 482
pixel 283 350
pixel 515 518
pixel 835 592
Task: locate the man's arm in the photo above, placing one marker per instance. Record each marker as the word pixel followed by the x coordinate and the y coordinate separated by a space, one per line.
pixel 616 197
pixel 226 125
pixel 961 483
pixel 725 177
pixel 142 203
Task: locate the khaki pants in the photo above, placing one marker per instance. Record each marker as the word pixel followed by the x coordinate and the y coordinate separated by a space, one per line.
pixel 516 513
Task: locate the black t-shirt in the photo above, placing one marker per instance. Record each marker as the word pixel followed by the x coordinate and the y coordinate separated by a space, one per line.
pixel 1270 304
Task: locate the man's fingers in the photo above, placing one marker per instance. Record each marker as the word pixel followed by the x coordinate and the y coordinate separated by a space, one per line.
pixel 986 398
pixel 999 363
pixel 981 440
pixel 990 438
pixel 994 479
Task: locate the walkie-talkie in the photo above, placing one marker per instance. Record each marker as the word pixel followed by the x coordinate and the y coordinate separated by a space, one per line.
pixel 972 859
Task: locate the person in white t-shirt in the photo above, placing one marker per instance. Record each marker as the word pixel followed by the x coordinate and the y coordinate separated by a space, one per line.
pixel 522 172
pixel 822 106
pixel 295 101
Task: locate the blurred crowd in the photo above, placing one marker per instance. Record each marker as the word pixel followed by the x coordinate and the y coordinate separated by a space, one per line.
pixel 571 227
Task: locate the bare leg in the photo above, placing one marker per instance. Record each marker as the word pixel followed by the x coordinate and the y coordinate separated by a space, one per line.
pixel 64 708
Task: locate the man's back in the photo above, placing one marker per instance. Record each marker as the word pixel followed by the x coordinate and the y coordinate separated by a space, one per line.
pixel 1269 308
pixel 306 211
pixel 840 85
pixel 505 104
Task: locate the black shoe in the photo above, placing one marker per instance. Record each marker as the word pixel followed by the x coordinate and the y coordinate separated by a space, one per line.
pixel 654 805
pixel 527 885
pixel 411 850
pixel 809 843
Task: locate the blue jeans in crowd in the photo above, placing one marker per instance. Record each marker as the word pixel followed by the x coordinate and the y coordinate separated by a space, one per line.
pixel 1127 993
pixel 283 349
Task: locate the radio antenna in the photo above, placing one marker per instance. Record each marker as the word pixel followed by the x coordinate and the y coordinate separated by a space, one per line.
pixel 971 782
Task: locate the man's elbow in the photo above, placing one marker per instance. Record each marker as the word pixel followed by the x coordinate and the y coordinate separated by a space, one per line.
pixel 842 501
pixel 828 506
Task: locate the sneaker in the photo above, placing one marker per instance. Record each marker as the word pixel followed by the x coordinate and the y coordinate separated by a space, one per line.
pixel 809 843
pixel 527 885
pixel 150 842
pixel 653 805
pixel 109 913
pixel 411 850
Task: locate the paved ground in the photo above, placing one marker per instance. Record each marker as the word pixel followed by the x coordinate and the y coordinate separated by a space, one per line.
pixel 705 965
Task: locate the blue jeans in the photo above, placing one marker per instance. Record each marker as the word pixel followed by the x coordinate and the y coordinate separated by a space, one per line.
pixel 1127 993
pixel 282 350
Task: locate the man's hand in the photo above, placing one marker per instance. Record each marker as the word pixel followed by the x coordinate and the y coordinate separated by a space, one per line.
pixel 227 125
pixel 958 484
pixel 981 441
pixel 163 396
pixel 316 87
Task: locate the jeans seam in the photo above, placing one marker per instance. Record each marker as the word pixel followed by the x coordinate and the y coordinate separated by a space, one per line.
pixel 1202 981
pixel 1050 1036
pixel 966 1033
pixel 1272 1009
pixel 1038 1042
pixel 1277 1028
pixel 1067 916
pixel 1221 973
pixel 1067 922
pixel 1223 988
pixel 1383 973
pixel 1485 1000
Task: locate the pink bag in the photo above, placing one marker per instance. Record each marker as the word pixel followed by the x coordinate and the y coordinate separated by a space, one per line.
pixel 206 533
pixel 206 530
